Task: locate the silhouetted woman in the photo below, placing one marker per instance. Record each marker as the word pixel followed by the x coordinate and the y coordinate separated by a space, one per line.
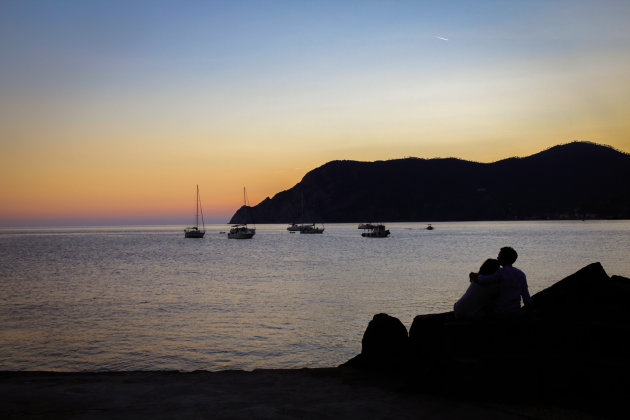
pixel 479 298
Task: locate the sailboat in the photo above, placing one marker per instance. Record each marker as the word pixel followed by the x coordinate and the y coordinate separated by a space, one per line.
pixel 304 227
pixel 194 231
pixel 294 227
pixel 241 231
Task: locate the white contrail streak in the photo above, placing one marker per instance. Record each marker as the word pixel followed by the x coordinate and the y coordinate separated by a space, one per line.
pixel 441 37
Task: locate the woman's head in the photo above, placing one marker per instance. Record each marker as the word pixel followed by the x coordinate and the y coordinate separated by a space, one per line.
pixel 489 266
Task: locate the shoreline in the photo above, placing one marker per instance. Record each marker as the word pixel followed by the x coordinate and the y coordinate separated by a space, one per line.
pixel 309 393
pixel 439 369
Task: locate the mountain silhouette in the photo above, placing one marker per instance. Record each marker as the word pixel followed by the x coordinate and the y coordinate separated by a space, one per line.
pixel 578 180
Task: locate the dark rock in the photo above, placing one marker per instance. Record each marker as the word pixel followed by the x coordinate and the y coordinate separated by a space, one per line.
pixel 578 297
pixel 572 342
pixel 384 344
pixel 586 296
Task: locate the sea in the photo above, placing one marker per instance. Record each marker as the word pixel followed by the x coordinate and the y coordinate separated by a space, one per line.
pixel 145 298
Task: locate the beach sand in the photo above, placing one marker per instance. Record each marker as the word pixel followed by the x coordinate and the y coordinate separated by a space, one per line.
pixel 333 393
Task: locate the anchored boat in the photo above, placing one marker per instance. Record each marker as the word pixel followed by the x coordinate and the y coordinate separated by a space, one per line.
pixel 241 231
pixel 312 229
pixel 194 231
pixel 294 227
pixel 375 231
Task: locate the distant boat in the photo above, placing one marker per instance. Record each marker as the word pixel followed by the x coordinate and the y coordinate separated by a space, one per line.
pixel 294 227
pixel 241 231
pixel 429 227
pixel 312 229
pixel 375 231
pixel 304 228
pixel 366 226
pixel 194 231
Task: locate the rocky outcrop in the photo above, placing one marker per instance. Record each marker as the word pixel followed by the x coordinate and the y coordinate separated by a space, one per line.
pixel 588 296
pixel 573 341
pixel 384 344
pixel 575 181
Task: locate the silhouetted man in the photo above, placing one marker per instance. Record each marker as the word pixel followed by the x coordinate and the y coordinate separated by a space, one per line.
pixel 512 285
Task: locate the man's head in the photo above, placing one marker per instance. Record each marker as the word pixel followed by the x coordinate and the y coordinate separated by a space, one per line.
pixel 507 256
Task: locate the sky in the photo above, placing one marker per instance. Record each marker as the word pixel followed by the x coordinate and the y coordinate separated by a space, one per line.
pixel 111 112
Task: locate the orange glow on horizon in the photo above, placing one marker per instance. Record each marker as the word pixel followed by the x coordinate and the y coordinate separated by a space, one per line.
pixel 111 116
pixel 135 194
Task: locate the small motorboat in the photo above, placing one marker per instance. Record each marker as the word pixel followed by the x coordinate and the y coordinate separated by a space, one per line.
pixel 241 232
pixel 376 231
pixel 312 229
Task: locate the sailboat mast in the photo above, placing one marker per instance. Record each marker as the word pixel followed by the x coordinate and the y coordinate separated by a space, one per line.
pixel 197 207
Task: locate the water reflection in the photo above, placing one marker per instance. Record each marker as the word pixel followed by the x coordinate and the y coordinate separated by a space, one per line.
pixel 110 298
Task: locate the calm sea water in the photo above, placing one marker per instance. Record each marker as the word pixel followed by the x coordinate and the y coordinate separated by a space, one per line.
pixel 121 298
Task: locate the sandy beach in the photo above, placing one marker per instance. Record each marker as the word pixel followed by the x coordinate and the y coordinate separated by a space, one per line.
pixel 333 393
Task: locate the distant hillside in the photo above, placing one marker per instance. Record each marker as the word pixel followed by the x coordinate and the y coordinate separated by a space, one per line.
pixel 572 181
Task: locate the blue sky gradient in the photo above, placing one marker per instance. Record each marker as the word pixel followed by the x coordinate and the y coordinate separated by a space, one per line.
pixel 135 102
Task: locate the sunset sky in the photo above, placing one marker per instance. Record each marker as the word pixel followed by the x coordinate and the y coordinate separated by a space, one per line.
pixel 112 111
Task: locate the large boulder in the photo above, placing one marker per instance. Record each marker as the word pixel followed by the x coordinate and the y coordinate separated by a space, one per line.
pixel 574 340
pixel 384 344
pixel 588 295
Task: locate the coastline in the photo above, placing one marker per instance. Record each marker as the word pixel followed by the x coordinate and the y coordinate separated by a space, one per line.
pixel 440 369
pixel 340 393
pixel 565 358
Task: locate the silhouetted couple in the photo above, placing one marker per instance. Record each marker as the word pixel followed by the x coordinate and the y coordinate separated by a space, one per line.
pixel 495 291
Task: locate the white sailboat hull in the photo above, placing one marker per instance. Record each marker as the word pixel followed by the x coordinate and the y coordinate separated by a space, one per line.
pixel 241 232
